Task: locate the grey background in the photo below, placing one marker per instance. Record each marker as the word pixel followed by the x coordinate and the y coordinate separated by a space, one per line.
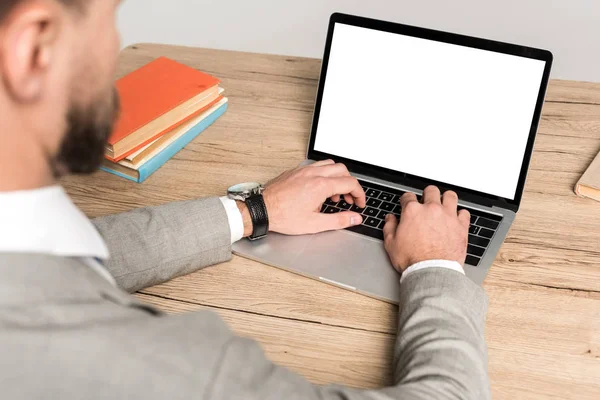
pixel 568 28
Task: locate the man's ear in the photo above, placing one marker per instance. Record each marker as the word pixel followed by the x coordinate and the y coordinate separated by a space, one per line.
pixel 27 44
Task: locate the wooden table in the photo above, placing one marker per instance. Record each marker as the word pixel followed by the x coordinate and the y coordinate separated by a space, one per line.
pixel 543 327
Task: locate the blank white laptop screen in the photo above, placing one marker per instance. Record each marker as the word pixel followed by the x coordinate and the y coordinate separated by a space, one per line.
pixel 440 111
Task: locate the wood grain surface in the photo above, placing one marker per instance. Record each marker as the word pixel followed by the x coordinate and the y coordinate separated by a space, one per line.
pixel 543 327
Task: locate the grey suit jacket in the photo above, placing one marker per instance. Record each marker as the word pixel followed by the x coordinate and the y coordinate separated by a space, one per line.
pixel 67 333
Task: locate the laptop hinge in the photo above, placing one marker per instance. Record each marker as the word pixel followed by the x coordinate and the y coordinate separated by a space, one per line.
pixel 512 207
pixel 401 179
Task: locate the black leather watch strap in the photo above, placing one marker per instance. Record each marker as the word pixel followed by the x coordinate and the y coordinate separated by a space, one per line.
pixel 260 219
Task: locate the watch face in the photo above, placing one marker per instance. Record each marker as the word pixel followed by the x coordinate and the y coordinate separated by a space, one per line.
pixel 244 187
pixel 244 190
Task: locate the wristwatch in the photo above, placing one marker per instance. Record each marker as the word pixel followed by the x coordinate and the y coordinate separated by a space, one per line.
pixel 252 194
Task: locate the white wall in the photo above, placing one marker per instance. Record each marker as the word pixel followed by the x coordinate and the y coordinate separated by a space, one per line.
pixel 569 28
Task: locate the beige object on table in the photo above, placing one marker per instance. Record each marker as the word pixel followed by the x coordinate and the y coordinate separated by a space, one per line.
pixel 589 184
pixel 543 328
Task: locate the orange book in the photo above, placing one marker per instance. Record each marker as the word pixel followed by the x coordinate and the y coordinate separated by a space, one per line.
pixel 155 99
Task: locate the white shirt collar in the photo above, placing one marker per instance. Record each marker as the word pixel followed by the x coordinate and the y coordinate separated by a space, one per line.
pixel 45 221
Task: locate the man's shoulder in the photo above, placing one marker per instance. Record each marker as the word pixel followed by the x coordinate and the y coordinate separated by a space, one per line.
pixel 104 340
pixel 27 278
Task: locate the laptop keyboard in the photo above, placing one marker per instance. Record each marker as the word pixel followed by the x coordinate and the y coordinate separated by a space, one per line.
pixel 383 200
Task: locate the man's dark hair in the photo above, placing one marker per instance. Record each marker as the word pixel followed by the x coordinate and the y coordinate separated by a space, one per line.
pixel 7 5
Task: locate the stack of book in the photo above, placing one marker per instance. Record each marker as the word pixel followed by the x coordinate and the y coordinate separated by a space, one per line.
pixel 164 106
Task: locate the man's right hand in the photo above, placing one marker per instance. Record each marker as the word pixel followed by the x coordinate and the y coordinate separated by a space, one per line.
pixel 429 231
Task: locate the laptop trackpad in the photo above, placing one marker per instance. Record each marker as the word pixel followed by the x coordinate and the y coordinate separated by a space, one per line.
pixel 341 258
pixel 351 261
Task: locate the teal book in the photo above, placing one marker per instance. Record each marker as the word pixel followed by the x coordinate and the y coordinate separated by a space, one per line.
pixel 151 166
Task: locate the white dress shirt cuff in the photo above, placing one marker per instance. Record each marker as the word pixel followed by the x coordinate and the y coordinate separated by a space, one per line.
pixel 236 223
pixel 453 265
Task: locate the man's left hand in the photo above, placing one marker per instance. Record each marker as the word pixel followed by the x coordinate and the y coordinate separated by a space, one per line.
pixel 294 200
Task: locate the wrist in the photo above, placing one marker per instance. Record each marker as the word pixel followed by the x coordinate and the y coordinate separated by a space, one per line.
pixel 270 210
pixel 246 218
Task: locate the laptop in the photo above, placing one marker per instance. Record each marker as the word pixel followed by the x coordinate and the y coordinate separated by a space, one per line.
pixel 403 108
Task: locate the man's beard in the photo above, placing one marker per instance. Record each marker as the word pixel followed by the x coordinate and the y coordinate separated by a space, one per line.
pixel 88 130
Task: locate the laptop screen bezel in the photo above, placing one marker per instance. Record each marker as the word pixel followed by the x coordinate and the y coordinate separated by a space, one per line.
pixel 416 181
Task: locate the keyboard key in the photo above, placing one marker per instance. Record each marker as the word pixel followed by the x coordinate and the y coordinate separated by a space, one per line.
pixel 370 212
pixel 372 193
pixel 330 203
pixel 387 206
pixel 397 210
pixel 475 251
pixel 357 209
pixel 323 207
pixel 382 214
pixel 475 214
pixel 367 231
pixel 373 202
pixel 344 205
pixel 479 241
pixel 331 210
pixel 472 260
pixel 370 221
pixel 386 196
pixel 396 199
pixel 486 223
pixel 474 230
pixel 485 215
pixel 487 233
pixel 381 224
